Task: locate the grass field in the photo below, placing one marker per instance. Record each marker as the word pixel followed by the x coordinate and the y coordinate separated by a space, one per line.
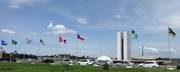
pixel 22 67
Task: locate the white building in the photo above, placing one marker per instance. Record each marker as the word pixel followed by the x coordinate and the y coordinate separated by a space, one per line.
pixel 123 46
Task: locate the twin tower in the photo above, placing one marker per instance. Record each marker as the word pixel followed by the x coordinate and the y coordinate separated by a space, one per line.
pixel 123 46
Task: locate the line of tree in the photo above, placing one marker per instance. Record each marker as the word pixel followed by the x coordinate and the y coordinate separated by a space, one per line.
pixel 15 54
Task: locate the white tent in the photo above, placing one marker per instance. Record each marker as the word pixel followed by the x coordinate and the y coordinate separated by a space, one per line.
pixel 104 58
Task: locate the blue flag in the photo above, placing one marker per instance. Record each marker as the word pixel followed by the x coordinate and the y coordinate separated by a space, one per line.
pixel 3 42
pixel 64 41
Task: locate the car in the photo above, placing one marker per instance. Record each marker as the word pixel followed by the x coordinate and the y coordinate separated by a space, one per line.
pixel 85 62
pixel 126 64
pixel 69 61
pixel 8 59
pixel 152 64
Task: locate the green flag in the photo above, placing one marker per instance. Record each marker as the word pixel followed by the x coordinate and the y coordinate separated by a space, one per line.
pixel 42 42
pixel 171 33
pixel 133 34
pixel 14 42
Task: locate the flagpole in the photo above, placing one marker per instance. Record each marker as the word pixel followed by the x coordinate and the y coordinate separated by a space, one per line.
pixel 77 46
pixel 101 37
pixel 24 55
pixel 59 54
pixel 169 48
pixel 10 56
pixel 142 50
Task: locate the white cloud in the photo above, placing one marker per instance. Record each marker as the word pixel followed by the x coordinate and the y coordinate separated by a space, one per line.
pixel 117 16
pixel 50 25
pixel 34 33
pixel 8 31
pixel 15 6
pixel 171 50
pixel 59 29
pixel 154 16
pixel 47 33
pixel 20 3
pixel 82 20
pixel 151 49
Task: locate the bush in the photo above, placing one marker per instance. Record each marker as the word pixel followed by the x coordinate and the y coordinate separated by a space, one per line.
pixel 48 61
pixel 105 66
pixel 178 67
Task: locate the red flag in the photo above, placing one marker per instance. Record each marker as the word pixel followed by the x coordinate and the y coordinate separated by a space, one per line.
pixel 60 39
pixel 80 38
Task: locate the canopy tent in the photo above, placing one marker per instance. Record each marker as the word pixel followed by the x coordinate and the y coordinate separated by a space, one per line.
pixel 104 58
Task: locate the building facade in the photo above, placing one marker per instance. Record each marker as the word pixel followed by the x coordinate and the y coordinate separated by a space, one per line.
pixel 123 46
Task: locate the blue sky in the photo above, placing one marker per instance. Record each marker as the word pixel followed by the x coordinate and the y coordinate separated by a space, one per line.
pixel 97 21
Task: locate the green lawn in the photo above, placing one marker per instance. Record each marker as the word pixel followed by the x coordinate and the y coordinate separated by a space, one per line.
pixel 22 67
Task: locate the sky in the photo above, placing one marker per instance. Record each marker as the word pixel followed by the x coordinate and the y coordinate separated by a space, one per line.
pixel 98 21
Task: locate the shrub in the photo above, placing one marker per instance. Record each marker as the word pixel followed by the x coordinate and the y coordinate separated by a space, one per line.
pixel 48 61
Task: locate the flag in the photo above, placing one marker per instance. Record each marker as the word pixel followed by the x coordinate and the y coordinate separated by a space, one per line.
pixel 64 41
pixel 14 42
pixel 171 33
pixel 80 38
pixel 42 42
pixel 133 34
pixel 3 42
pixel 60 39
pixel 28 41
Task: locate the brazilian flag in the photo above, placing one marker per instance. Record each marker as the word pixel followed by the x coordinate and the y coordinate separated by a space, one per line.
pixel 14 42
pixel 133 34
pixel 171 33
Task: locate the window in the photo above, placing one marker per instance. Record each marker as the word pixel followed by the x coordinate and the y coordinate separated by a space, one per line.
pixel 149 63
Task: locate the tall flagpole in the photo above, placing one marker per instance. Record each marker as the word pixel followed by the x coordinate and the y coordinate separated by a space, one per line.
pixel 59 54
pixel 169 48
pixel 77 46
pixel 142 50
pixel 10 54
pixel 23 51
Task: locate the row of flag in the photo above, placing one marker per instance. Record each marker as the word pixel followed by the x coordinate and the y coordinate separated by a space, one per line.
pixel 171 33
pixel 28 41
pixel 13 42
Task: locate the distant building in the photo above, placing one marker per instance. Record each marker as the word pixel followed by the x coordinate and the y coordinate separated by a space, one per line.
pixel 123 46
pixel 145 58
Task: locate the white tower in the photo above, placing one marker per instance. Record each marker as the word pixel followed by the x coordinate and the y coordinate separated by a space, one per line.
pixel 123 46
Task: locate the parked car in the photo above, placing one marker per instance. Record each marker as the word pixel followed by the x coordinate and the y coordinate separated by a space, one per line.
pixel 69 61
pixel 126 64
pixel 8 59
pixel 152 64
pixel 85 62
